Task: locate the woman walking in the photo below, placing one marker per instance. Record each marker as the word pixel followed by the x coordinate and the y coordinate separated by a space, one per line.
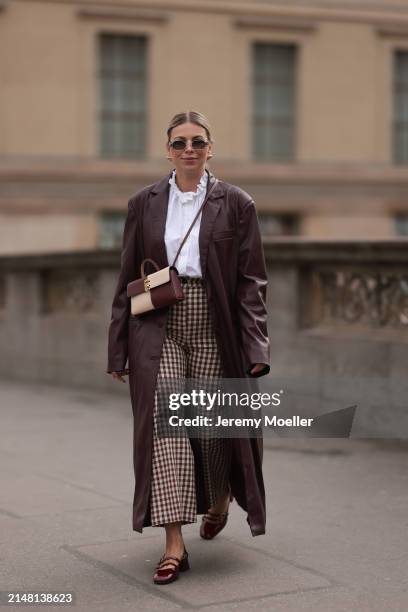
pixel 218 330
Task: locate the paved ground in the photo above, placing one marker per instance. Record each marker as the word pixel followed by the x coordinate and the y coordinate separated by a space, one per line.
pixel 337 529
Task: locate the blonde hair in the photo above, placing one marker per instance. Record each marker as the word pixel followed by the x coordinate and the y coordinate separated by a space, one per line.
pixel 190 117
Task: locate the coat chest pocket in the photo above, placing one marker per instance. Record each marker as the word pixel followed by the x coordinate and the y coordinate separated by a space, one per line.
pixel 223 234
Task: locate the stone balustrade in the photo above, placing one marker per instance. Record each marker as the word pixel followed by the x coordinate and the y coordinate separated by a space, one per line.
pixel 337 319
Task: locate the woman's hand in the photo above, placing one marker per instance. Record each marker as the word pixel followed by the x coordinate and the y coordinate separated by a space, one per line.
pixel 120 375
pixel 257 368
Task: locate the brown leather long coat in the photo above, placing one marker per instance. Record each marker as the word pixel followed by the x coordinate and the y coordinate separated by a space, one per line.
pixel 233 267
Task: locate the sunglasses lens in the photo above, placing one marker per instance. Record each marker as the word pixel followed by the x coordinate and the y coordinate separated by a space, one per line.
pixel 199 144
pixel 179 145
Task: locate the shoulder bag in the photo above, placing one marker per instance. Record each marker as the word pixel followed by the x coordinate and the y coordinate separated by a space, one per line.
pixel 161 288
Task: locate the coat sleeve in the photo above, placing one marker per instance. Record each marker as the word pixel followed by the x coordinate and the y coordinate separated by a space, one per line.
pixel 251 291
pixel 118 327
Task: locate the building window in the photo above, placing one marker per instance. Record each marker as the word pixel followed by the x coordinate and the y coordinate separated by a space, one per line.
pixel 122 96
pixel 401 224
pixel 400 128
pixel 111 226
pixel 273 87
pixel 275 224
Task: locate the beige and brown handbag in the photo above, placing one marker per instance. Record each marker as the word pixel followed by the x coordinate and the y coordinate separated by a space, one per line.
pixel 163 287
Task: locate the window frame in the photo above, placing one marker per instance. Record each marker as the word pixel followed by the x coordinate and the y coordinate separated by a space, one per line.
pixel 297 50
pixel 98 97
pixel 395 121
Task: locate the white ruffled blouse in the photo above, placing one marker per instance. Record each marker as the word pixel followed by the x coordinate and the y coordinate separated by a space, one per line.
pixel 182 208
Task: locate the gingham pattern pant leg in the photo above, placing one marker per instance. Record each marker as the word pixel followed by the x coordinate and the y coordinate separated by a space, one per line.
pixel 190 350
pixel 204 361
pixel 173 493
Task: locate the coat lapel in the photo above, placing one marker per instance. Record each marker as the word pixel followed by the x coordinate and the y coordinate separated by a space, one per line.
pixel 159 203
pixel 209 213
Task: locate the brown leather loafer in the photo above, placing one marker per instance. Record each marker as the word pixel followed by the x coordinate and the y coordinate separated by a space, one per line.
pixel 212 523
pixel 165 575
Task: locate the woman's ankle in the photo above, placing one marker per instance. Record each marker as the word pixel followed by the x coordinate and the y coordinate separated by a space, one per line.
pixel 175 549
pixel 174 539
pixel 222 504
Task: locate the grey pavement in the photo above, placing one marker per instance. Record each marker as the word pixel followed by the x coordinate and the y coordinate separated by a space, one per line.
pixel 337 518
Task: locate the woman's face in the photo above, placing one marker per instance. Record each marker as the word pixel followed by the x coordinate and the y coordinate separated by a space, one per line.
pixel 189 160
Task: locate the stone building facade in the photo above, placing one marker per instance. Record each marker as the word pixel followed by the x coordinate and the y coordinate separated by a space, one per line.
pixel 308 103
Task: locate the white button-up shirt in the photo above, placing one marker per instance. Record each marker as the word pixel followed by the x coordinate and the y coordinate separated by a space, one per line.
pixel 182 208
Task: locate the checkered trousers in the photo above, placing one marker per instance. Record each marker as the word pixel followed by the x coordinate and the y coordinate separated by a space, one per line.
pixel 189 350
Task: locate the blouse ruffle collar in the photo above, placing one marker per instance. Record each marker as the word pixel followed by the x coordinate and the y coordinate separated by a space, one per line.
pixel 188 196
